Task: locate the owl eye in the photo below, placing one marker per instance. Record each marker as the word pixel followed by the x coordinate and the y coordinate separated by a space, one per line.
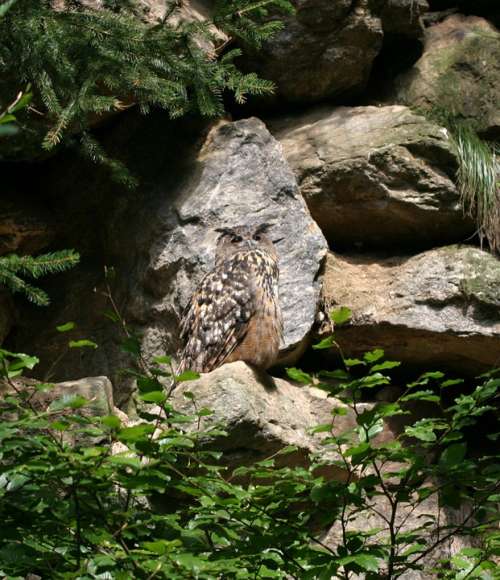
pixel 236 239
pixel 257 237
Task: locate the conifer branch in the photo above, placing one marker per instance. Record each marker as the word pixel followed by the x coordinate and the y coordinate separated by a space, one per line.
pixel 13 266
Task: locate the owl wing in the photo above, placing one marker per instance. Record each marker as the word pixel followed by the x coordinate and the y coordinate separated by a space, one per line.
pixel 216 318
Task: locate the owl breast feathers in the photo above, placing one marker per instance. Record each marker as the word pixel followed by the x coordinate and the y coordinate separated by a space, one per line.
pixel 234 314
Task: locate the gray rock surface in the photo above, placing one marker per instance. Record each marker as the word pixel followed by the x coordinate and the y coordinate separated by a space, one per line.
pixel 240 177
pixel 440 308
pixel 326 49
pixel 458 72
pixel 263 415
pixel 161 240
pixel 375 176
pixel 408 519
pixel 97 390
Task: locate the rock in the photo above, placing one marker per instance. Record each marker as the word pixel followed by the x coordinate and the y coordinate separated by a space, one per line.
pixel 458 73
pixel 263 415
pixel 26 227
pixel 437 309
pixel 404 17
pixel 375 176
pixel 326 49
pixel 428 513
pixel 161 241
pixel 240 177
pixel 97 390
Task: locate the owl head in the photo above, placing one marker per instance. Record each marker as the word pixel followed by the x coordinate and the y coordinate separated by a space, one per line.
pixel 241 238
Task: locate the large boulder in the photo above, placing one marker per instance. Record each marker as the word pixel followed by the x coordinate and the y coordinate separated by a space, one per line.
pixel 240 177
pixel 440 308
pixel 326 49
pixel 98 391
pixel 375 176
pixel 458 73
pixel 403 17
pixel 262 415
pixel 161 241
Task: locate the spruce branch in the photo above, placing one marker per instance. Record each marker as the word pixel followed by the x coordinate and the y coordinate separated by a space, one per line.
pixel 13 266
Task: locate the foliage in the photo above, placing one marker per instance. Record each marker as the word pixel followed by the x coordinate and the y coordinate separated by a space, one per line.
pixel 477 176
pixel 13 268
pixel 86 63
pixel 478 179
pixel 90 497
pixel 8 118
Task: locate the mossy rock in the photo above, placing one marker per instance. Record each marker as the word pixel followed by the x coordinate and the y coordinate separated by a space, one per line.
pixel 458 73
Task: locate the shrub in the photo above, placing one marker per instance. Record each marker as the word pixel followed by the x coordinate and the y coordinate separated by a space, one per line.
pixel 90 497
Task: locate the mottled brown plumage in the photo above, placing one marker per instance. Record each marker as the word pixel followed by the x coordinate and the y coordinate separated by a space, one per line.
pixel 234 314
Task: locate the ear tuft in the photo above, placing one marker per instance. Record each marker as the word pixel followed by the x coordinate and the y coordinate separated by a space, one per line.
pixel 263 228
pixel 225 231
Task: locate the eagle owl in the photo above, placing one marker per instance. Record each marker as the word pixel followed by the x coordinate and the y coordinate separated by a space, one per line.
pixel 234 314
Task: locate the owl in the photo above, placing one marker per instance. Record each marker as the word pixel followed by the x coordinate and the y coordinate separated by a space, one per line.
pixel 234 314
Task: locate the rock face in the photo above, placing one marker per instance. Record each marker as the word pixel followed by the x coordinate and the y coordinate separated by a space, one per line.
pixel 375 176
pixel 440 308
pixel 240 177
pixel 403 17
pixel 326 49
pixel 162 243
pixel 97 390
pixel 263 415
pixel 459 72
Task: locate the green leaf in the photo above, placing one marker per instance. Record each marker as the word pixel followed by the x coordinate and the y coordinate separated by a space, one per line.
pixel 66 327
pixel 84 343
pixel 162 360
pixel 299 376
pixel 327 342
pixel 148 385
pixel 353 362
pixel 337 374
pixel 6 118
pixel 453 455
pixel 388 364
pixel 157 397
pixel 421 432
pixel 364 561
pixel 323 428
pixel 111 315
pixel 132 345
pixel 23 102
pixel 374 355
pixel 136 433
pixel 341 315
pixel 6 6
pixel 69 401
pixel 187 376
pixel 111 421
